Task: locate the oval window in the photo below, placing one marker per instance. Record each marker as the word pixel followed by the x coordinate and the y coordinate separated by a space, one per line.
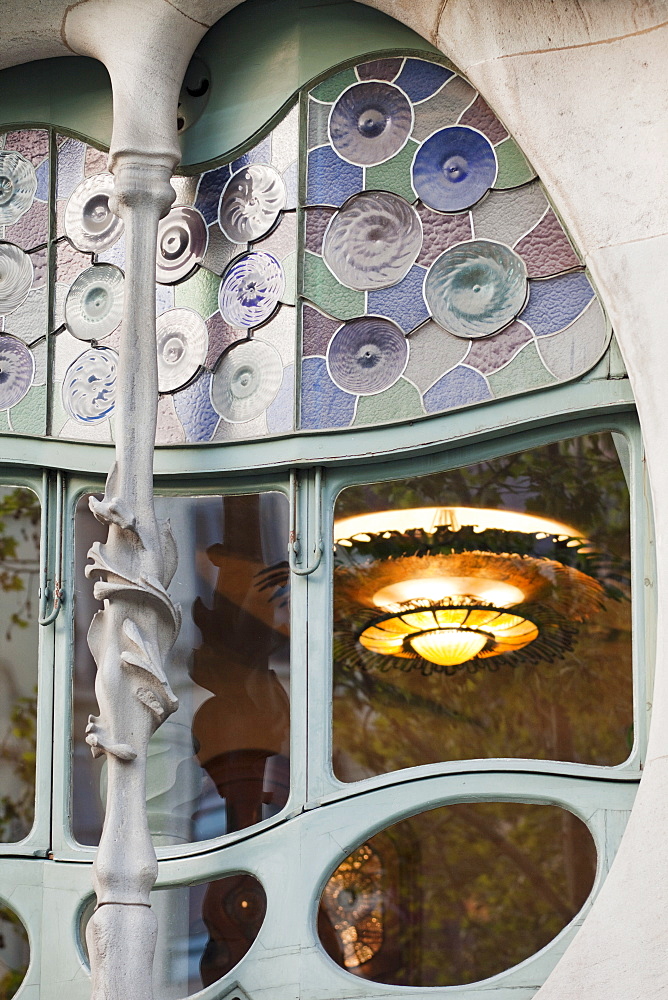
pixel 203 931
pixel 14 952
pixel 456 894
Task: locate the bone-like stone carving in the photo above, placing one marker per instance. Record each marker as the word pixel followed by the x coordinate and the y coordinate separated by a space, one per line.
pixel 131 637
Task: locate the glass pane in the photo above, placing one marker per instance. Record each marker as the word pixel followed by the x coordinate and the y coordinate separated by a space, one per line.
pixel 20 515
pixel 14 952
pixel 457 894
pixel 485 612
pixel 203 931
pixel 221 762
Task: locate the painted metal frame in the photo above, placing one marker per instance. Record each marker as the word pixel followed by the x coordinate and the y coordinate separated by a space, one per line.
pixel 294 853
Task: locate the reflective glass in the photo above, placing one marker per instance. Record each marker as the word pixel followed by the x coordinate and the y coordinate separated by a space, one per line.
pixel 456 894
pixel 20 515
pixel 221 762
pixel 14 952
pixel 485 612
pixel 203 931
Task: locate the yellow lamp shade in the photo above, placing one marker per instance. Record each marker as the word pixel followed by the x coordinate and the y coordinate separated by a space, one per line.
pixel 448 646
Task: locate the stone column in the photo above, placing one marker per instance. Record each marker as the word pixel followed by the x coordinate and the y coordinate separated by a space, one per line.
pixel 139 623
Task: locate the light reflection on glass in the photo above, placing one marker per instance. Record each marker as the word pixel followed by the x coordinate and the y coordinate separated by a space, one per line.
pixel 20 515
pixel 221 762
pixel 566 694
pixel 456 894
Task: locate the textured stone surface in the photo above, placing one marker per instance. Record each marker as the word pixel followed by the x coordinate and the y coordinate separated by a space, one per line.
pixel 546 249
pixel 507 215
pixel 491 353
pixel 169 429
pixel 440 232
pixel 95 161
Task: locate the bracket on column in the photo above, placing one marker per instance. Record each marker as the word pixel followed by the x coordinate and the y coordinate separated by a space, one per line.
pixel 43 617
pixel 294 545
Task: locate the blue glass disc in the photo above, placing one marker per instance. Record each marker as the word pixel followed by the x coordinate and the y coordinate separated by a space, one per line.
pixel 454 168
pixel 476 288
pixel 251 288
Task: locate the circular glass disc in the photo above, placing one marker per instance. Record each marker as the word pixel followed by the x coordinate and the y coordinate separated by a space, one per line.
pixel 373 240
pixel 94 303
pixel 17 370
pixel 89 386
pixel 18 183
pixel 476 288
pixel 367 355
pixel 16 277
pixel 454 168
pixel 251 288
pixel 182 241
pixel 89 222
pixel 183 341
pixel 251 202
pixel 246 380
pixel 370 123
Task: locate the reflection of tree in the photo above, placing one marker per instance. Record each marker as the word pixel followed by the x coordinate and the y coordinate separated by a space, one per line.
pixel 18 753
pixel 578 708
pixel 471 889
pixel 493 883
pixel 19 522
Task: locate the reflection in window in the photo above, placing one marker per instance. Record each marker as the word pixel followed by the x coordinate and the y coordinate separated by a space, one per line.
pixel 14 952
pixel 221 762
pixel 20 515
pixel 485 612
pixel 457 894
pixel 203 931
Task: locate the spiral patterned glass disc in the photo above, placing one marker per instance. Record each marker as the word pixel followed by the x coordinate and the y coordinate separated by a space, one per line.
pixel 89 386
pixel 89 222
pixel 182 242
pixel 94 303
pixel 16 277
pixel 183 341
pixel 251 288
pixel 251 202
pixel 17 370
pixel 367 355
pixel 18 183
pixel 246 380
pixel 373 240
pixel 454 168
pixel 370 122
pixel 476 288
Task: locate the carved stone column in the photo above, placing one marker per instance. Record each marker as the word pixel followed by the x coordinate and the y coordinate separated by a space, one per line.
pixel 138 625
